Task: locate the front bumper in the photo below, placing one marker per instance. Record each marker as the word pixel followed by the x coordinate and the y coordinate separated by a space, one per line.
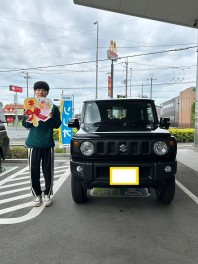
pixel 97 174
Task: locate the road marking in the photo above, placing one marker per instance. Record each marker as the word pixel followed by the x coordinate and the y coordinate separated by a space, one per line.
pixel 189 193
pixel 24 182
pixel 36 210
pixel 15 198
pixel 14 191
pixel 15 208
pixel 13 176
pixel 5 172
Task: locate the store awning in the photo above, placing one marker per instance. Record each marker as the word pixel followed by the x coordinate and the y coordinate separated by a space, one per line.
pixel 180 12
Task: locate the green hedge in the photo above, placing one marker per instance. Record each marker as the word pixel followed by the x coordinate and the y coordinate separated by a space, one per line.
pixel 20 152
pixel 17 152
pixel 183 134
pixel 56 134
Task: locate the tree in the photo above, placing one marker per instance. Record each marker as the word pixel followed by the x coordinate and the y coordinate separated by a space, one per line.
pixel 193 113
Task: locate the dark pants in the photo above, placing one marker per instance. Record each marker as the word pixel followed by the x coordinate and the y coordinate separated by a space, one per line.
pixel 44 157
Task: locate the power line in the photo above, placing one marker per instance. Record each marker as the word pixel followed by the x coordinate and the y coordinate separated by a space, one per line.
pixel 93 61
pixel 105 87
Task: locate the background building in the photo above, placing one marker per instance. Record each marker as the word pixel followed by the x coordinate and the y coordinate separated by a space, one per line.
pixel 13 113
pixel 186 100
pixel 170 109
pixel 179 109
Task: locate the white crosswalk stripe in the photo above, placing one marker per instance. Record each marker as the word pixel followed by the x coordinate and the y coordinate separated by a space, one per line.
pixel 15 192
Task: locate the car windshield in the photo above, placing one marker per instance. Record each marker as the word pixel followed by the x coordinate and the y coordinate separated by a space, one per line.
pixel 119 113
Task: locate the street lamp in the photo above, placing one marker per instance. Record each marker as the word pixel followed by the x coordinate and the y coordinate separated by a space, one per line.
pixel 96 23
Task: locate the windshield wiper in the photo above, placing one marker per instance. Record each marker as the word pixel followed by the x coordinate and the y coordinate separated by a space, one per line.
pixel 100 123
pixel 141 122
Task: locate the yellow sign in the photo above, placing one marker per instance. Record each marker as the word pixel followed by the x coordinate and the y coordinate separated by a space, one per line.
pixel 112 46
pixel 112 51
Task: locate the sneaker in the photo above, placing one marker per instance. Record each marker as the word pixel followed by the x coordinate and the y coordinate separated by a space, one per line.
pixel 47 200
pixel 37 201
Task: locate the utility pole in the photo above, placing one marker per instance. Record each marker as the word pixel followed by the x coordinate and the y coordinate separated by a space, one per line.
pixel 130 81
pixel 126 78
pixel 26 77
pixel 151 90
pixel 73 105
pixel 142 91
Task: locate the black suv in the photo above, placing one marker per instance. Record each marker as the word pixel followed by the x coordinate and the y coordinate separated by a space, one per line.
pixel 121 143
pixel 4 140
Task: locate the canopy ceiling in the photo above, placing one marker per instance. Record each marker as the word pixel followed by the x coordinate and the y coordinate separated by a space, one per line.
pixel 180 12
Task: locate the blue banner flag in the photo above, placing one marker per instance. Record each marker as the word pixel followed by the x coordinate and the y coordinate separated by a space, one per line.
pixel 66 132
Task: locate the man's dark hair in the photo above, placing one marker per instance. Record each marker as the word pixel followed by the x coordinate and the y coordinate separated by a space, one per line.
pixel 41 85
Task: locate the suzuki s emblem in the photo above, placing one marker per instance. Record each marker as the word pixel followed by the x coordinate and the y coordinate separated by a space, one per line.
pixel 123 148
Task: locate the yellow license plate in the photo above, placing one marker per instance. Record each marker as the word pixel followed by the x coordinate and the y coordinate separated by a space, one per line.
pixel 124 175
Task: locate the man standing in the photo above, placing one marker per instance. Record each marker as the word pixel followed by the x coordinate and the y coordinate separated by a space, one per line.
pixel 40 145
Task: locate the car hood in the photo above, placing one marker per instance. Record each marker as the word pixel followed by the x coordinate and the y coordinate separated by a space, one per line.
pixel 89 132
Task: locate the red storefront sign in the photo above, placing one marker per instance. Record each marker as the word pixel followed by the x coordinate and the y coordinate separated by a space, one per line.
pixel 10 119
pixel 16 89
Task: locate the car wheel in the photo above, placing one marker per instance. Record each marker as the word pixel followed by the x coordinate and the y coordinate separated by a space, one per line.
pixel 165 193
pixel 79 193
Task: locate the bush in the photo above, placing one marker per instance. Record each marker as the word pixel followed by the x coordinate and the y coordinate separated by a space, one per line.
pixel 17 152
pixel 56 134
pixel 183 135
pixel 20 152
pixel 60 150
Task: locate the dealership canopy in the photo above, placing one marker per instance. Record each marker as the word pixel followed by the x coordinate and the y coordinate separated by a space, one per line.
pixel 180 12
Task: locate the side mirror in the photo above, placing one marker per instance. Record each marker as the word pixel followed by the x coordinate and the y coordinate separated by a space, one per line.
pixel 165 122
pixel 73 122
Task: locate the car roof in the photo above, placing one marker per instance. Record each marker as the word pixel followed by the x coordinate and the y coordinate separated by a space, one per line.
pixel 119 99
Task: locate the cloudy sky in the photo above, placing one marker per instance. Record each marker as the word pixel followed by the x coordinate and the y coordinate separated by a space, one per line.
pixel 55 41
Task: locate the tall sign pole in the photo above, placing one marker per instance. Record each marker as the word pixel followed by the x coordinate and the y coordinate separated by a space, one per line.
pixel 96 23
pixel 112 55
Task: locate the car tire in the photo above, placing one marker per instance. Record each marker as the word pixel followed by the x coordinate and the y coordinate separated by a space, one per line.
pixel 79 193
pixel 165 193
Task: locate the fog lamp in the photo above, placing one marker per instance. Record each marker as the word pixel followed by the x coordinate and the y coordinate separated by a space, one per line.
pixel 168 169
pixel 79 169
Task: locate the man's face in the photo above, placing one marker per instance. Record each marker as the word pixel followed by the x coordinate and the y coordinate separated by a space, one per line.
pixel 40 93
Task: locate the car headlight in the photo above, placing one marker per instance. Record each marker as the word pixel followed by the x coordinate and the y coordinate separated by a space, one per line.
pixel 87 148
pixel 160 148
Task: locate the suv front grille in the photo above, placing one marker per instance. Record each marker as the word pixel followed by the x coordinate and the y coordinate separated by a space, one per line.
pixel 104 172
pixel 123 148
